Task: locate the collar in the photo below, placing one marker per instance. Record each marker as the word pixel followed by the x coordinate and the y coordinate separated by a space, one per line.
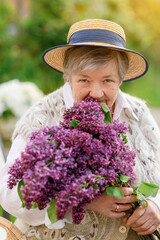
pixel 67 95
pixel 120 104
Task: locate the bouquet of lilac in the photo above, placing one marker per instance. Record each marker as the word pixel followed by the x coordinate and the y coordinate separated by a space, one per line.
pixel 65 167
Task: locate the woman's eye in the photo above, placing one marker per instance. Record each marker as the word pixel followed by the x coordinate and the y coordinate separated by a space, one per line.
pixel 108 80
pixel 83 80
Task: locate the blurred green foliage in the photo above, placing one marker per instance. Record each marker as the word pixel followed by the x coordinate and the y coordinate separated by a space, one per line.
pixel 24 39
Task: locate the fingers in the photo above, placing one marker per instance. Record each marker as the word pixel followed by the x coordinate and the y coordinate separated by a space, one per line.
pixel 135 217
pixel 147 231
pixel 126 199
pixel 119 210
pixel 126 191
pixel 144 220
pixel 145 228
pixel 122 207
pixel 116 214
pixel 112 206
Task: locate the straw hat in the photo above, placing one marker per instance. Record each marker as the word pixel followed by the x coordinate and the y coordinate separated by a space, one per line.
pixel 13 233
pixel 97 32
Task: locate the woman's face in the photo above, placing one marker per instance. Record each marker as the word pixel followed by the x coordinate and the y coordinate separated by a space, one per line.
pixel 101 83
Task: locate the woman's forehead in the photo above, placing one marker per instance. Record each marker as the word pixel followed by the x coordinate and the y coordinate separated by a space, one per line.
pixel 108 66
pixel 108 71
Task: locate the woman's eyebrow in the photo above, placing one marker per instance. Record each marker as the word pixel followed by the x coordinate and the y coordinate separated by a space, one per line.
pixel 83 75
pixel 107 76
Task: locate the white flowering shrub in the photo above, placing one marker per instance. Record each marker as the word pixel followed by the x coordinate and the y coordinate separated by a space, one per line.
pixel 16 97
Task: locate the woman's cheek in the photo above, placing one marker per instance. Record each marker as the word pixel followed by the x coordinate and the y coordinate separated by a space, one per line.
pixel 80 95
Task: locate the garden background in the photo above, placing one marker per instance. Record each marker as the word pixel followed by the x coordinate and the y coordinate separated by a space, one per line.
pixel 28 28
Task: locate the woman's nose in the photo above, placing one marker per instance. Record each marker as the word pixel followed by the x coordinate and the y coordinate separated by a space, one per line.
pixel 96 92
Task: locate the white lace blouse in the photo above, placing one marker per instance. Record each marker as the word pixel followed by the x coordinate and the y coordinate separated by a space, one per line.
pixel 9 198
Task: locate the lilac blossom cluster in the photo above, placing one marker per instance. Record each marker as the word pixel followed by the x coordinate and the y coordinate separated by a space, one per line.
pixel 73 165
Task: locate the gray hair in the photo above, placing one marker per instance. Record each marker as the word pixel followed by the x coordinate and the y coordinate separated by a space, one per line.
pixel 82 58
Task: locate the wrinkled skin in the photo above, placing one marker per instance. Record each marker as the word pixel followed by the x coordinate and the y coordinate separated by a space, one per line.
pixel 103 84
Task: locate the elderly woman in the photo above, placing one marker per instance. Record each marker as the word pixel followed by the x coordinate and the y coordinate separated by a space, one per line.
pixel 94 63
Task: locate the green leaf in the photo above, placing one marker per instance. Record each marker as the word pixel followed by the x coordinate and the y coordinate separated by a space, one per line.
pixel 148 189
pixel 114 191
pixel 99 177
pixel 52 161
pixel 8 113
pixel 124 137
pixel 34 205
pixel 84 185
pixel 21 183
pixel 141 198
pixel 134 190
pixel 95 186
pixel 124 178
pixel 52 210
pixel 74 123
pixel 106 111
pixel 51 133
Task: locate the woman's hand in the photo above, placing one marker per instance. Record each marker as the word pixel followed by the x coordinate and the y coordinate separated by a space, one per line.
pixel 145 220
pixel 111 206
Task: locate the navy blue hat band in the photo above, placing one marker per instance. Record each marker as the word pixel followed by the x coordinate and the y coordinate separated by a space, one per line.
pixel 97 35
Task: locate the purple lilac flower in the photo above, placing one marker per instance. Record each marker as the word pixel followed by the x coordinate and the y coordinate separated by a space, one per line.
pixel 73 165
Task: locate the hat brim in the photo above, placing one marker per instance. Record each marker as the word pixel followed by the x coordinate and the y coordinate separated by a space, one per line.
pixel 138 65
